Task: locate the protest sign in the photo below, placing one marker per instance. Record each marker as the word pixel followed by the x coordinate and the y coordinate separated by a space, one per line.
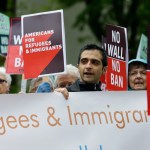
pixel 148 71
pixel 142 49
pixel 87 121
pixel 103 77
pixel 117 51
pixel 103 82
pixel 43 44
pixel 14 61
pixel 4 33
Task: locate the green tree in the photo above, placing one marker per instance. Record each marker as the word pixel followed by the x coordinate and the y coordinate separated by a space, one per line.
pixel 132 14
pixel 8 7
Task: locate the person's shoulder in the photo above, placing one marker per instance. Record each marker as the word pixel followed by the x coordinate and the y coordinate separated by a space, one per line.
pixel 74 87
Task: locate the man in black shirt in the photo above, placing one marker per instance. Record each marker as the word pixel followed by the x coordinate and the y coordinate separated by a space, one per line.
pixel 92 63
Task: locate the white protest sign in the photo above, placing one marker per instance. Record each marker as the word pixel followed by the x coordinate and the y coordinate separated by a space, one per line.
pixel 87 121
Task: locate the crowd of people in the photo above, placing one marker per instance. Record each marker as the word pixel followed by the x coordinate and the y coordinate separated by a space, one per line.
pixel 92 64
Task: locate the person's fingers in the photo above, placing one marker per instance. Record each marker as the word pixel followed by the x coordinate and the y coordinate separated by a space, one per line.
pixel 64 91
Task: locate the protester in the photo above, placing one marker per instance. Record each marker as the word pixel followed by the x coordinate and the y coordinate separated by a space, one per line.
pixel 68 78
pixel 92 63
pixel 41 85
pixel 34 83
pixel 5 81
pixel 137 74
pixel 46 86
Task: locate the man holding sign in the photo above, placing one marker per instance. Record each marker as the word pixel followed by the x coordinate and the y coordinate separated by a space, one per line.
pixel 92 63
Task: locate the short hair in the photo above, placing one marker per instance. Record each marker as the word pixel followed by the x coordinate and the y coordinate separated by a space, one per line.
pixel 39 79
pixel 32 83
pixel 137 63
pixel 91 47
pixel 70 70
pixel 8 77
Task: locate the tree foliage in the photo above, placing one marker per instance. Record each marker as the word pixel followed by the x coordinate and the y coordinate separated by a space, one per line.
pixel 8 7
pixel 132 14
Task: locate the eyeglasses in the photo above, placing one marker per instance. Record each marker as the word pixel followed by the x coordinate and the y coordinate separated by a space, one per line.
pixel 2 81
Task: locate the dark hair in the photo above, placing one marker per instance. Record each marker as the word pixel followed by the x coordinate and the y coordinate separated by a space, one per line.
pixel 91 47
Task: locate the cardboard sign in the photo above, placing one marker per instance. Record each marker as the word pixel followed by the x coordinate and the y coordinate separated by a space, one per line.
pixel 14 61
pixel 117 51
pixel 4 33
pixel 86 121
pixel 43 44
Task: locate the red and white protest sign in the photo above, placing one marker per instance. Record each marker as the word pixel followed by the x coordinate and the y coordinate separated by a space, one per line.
pixel 43 44
pixel 117 51
pixel 14 61
pixel 103 77
pixel 148 72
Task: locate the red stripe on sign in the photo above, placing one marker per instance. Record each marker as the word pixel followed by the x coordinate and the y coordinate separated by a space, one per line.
pixel 148 91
